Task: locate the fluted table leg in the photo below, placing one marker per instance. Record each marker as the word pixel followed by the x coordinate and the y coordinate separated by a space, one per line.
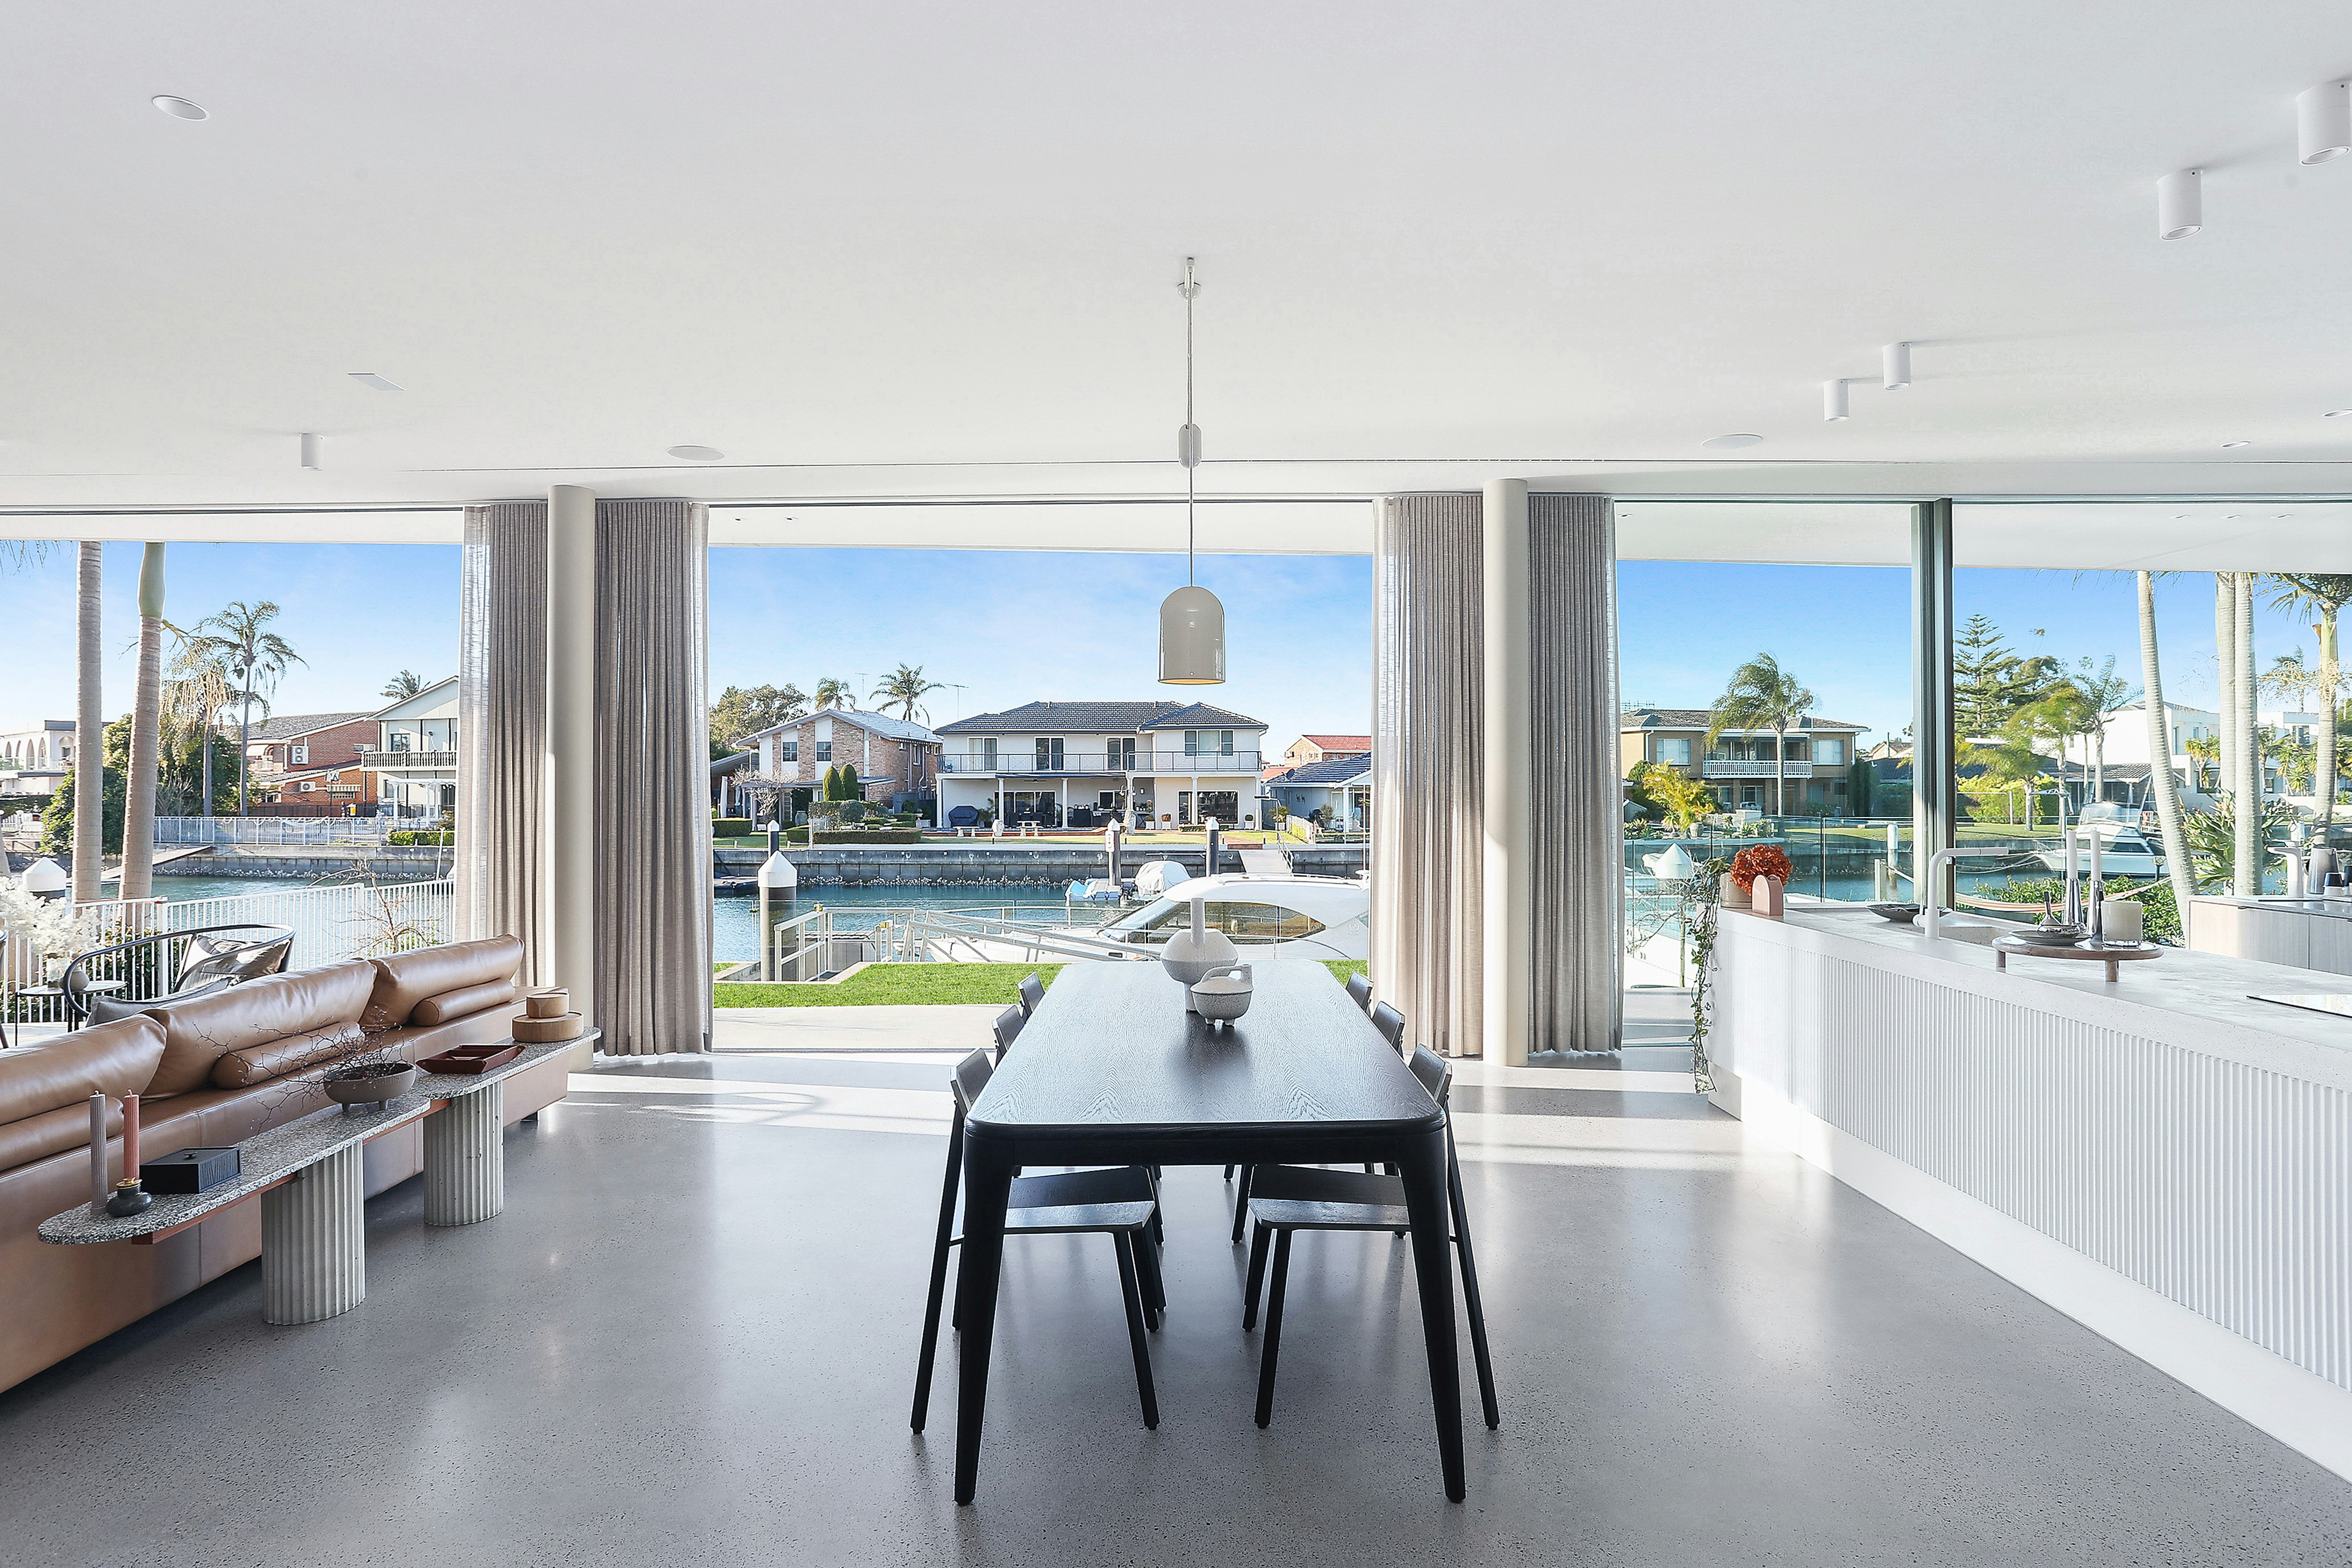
pixel 466 1158
pixel 314 1242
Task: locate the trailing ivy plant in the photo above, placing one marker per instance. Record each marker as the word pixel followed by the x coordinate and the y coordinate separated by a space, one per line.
pixel 1694 907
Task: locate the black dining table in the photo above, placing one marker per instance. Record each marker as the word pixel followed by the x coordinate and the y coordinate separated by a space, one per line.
pixel 1113 1070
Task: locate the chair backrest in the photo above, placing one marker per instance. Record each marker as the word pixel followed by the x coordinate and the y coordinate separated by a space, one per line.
pixel 1359 992
pixel 1435 1073
pixel 971 1076
pixel 1390 1023
pixel 1008 1029
pixel 1032 991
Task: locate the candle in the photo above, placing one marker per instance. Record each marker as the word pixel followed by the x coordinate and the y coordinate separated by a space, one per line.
pixel 98 1183
pixel 130 1137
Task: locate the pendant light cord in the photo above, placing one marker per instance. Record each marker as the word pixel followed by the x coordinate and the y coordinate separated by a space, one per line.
pixel 1188 287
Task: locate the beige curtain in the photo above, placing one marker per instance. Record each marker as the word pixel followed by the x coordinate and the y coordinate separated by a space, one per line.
pixel 502 824
pixel 1428 959
pixel 652 783
pixel 1579 820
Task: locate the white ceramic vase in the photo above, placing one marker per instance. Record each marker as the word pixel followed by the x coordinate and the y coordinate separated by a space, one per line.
pixel 1192 955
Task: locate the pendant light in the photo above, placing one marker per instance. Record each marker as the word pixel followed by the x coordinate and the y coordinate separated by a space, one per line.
pixel 1191 622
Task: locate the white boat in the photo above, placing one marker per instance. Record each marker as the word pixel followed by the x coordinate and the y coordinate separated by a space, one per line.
pixel 2124 850
pixel 1267 916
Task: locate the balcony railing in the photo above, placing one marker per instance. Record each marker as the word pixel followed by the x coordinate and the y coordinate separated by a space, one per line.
pixel 1140 761
pixel 392 759
pixel 1746 768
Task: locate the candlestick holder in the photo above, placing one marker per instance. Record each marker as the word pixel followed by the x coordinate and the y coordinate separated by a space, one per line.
pixel 130 1198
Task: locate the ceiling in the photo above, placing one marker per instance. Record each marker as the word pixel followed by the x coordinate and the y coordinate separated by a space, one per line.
pixel 903 253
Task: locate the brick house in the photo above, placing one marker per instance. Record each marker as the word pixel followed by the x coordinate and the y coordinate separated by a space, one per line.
pixel 1740 767
pixel 1311 749
pixel 346 790
pixel 282 749
pixel 897 760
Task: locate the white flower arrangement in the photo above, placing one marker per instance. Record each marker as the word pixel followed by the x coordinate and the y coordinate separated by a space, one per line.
pixel 49 927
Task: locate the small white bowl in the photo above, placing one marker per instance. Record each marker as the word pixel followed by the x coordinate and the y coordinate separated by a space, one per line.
pixel 1223 996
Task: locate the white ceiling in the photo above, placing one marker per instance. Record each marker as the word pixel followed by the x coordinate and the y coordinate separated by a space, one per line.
pixel 911 251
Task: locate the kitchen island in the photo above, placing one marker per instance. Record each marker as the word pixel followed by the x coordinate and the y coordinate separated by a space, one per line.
pixel 2160 1156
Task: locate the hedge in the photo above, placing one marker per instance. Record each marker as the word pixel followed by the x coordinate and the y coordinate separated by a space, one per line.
pixel 731 827
pixel 872 836
pixel 430 838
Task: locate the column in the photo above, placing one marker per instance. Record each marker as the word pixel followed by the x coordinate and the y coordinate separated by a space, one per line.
pixel 466 1158
pixel 1508 746
pixel 314 1242
pixel 1935 788
pixel 572 743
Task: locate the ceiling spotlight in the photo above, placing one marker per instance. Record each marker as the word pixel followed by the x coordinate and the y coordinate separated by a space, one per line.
pixel 2337 413
pixel 1731 443
pixel 1834 404
pixel 180 107
pixel 311 450
pixel 2233 445
pixel 370 378
pixel 1897 358
pixel 2323 122
pixel 697 454
pixel 2181 204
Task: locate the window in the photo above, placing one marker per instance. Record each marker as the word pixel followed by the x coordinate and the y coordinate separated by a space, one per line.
pixel 301 754
pixel 1674 751
pixel 1049 754
pixel 1208 743
pixel 400 740
pixel 1123 753
pixel 825 751
pixel 790 751
pixel 1830 752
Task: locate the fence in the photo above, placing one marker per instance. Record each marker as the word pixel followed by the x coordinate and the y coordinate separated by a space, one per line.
pixel 352 920
pixel 279 829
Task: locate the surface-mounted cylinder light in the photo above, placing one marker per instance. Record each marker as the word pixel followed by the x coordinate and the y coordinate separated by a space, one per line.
pixel 2323 122
pixel 2181 204
pixel 1896 359
pixel 309 450
pixel 1834 403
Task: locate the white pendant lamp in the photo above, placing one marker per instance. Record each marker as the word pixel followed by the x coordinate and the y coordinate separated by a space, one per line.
pixel 2323 122
pixel 2181 204
pixel 1191 622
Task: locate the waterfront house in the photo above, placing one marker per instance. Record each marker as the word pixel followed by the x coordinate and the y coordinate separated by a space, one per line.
pixel 1334 792
pixel 282 748
pixel 1309 749
pixel 34 761
pixel 1163 763
pixel 1813 761
pixel 414 758
pixel 897 759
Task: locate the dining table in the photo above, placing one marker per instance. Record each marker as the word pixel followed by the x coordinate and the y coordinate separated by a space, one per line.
pixel 1112 1069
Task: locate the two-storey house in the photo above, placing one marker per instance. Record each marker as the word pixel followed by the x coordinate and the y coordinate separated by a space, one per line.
pixel 1311 749
pixel 897 759
pixel 34 761
pixel 1160 764
pixel 413 758
pixel 312 760
pixel 1812 760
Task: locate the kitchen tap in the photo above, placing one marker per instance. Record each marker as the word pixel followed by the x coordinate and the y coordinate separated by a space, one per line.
pixel 1935 882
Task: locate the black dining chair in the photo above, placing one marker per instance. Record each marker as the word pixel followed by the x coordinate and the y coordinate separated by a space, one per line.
pixel 1390 1023
pixel 1359 992
pixel 1032 991
pixel 1121 1202
pixel 1007 1029
pixel 1287 1199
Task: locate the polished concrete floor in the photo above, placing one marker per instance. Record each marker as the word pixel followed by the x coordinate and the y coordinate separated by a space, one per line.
pixel 690 1339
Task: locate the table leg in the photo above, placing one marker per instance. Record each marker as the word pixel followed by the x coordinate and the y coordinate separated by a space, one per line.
pixel 314 1242
pixel 987 1186
pixel 1423 1162
pixel 466 1158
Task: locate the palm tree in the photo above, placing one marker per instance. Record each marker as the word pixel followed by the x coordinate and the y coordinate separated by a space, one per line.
pixel 252 656
pixel 2104 693
pixel 2322 597
pixel 401 687
pixel 2061 716
pixel 89 729
pixel 1762 695
pixel 905 688
pixel 195 695
pixel 832 693
pixel 146 721
pixel 2159 755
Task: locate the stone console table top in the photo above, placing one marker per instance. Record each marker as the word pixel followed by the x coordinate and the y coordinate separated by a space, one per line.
pixel 270 1158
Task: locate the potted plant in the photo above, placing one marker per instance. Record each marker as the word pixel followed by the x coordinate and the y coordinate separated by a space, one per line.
pixel 1759 876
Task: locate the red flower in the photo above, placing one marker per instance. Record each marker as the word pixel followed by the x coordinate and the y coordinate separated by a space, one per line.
pixel 1759 860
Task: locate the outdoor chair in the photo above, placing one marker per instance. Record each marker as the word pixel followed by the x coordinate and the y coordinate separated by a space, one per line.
pixel 1032 991
pixel 213 960
pixel 1359 992
pixel 1120 1202
pixel 1007 1027
pixel 1292 1198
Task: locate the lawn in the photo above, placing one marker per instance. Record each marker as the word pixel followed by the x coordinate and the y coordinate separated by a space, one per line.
pixel 916 985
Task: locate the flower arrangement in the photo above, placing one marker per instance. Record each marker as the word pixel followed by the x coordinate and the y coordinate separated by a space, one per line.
pixel 1759 860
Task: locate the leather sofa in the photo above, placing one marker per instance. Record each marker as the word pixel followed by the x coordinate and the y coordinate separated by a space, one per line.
pixel 212 1070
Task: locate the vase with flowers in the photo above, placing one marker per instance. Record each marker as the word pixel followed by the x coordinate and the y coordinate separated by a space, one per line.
pixel 1759 876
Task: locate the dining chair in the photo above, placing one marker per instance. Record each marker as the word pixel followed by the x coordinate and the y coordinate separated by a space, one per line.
pixel 1121 1202
pixel 1007 1029
pixel 1359 992
pixel 1390 1023
pixel 1032 991
pixel 1287 1199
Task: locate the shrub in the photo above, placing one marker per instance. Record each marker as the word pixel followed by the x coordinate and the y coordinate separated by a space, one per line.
pixel 731 827
pixel 426 837
pixel 871 836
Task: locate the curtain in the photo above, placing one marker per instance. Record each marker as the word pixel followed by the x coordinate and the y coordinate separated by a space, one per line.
pixel 1428 956
pixel 652 777
pixel 1577 921
pixel 502 784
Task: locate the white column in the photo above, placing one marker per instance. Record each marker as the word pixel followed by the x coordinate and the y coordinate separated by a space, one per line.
pixel 572 743
pixel 314 1242
pixel 1508 722
pixel 466 1158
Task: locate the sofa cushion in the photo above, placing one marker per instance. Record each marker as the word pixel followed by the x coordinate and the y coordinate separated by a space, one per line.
pixel 287 1054
pixel 112 1059
pixel 198 1033
pixel 51 1133
pixel 104 1009
pixel 404 979
pixel 451 1006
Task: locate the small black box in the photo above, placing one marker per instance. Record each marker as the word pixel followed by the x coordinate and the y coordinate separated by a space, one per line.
pixel 190 1171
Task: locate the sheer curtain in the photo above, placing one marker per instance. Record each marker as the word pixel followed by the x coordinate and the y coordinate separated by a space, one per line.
pixel 1428 951
pixel 653 777
pixel 502 821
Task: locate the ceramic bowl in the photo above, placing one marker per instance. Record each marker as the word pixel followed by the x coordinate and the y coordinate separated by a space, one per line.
pixel 1901 914
pixel 370 1090
pixel 1223 996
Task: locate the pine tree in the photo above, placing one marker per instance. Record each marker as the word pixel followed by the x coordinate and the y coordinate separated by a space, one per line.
pixel 1989 682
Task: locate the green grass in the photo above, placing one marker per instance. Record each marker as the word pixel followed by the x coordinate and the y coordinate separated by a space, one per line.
pixel 919 984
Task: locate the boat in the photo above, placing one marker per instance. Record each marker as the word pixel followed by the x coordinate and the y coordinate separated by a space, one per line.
pixel 2123 849
pixel 1266 917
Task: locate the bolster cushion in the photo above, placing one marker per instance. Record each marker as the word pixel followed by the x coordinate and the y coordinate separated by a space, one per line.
pixel 112 1059
pixel 276 1059
pixel 404 979
pixel 198 1033
pixel 451 1006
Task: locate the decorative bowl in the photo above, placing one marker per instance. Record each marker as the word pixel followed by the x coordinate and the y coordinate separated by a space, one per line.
pixel 1901 914
pixel 1224 996
pixel 371 1088
pixel 2060 934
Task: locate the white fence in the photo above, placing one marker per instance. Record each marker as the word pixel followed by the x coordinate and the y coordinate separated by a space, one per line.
pixel 281 829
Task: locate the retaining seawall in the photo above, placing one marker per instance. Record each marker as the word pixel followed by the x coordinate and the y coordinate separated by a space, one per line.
pixel 306 862
pixel 959 864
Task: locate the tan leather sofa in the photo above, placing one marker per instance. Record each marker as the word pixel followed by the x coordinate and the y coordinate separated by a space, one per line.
pixel 213 1070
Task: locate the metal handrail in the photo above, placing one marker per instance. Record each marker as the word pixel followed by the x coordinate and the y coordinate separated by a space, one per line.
pixel 917 933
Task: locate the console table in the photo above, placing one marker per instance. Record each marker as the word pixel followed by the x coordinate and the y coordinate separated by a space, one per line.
pixel 307 1174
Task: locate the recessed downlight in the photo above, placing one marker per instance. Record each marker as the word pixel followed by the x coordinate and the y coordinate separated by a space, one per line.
pixel 2233 445
pixel 180 107
pixel 370 378
pixel 1732 442
pixel 691 454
